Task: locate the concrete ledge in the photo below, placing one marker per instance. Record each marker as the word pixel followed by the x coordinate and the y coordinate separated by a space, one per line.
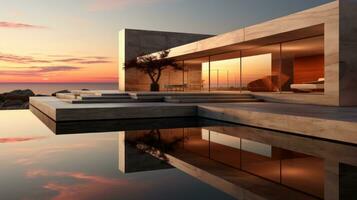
pixel 334 123
pixel 62 111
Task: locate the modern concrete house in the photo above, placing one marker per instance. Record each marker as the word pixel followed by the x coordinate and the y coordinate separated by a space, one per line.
pixel 306 57
pixel 303 58
pixel 300 143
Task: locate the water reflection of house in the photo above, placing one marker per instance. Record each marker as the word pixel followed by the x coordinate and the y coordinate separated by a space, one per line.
pixel 247 162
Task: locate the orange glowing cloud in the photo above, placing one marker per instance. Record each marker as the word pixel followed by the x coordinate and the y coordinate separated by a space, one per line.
pixel 14 25
pixel 19 59
pixel 14 140
pixel 57 68
pixel 87 187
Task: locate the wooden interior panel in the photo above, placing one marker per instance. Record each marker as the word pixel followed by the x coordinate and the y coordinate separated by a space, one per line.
pixel 307 69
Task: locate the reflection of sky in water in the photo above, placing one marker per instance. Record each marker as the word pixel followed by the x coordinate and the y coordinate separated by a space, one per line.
pixel 36 164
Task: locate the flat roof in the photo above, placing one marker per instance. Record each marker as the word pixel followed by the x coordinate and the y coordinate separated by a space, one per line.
pixel 303 24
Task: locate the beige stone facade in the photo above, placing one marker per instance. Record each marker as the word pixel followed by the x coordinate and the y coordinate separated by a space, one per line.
pixel 334 21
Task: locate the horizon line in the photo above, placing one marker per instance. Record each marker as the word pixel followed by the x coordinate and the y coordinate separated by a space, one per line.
pixel 54 82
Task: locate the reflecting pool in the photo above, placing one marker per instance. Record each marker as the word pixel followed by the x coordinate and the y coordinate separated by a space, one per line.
pixel 174 158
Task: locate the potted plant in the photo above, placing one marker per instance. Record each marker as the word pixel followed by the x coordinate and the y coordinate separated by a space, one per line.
pixel 153 65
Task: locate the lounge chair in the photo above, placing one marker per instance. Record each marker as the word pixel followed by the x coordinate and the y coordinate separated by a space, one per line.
pixel 315 86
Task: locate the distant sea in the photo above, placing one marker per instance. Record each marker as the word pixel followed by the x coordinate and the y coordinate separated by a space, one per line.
pixel 49 88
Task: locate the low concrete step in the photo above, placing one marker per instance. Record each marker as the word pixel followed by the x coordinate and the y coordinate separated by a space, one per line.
pixel 142 94
pixel 104 97
pixel 102 101
pixel 99 92
pixel 148 98
pixel 211 97
pixel 212 100
pixel 113 94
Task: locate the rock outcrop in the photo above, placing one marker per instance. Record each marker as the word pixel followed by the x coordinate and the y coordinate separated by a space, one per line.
pixel 17 99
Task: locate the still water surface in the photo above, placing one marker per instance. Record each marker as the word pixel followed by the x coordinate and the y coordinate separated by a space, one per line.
pixel 173 158
pixel 37 164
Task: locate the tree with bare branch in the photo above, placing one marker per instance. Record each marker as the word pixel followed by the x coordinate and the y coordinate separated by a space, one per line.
pixel 153 65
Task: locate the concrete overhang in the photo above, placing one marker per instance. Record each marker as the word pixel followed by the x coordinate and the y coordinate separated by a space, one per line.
pixel 307 23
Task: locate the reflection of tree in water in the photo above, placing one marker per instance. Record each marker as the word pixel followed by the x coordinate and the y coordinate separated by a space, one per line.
pixel 153 143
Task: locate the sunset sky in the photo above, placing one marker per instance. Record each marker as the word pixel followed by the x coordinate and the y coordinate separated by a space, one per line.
pixel 76 40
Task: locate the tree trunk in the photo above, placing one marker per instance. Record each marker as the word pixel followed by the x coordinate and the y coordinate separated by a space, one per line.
pixel 154 87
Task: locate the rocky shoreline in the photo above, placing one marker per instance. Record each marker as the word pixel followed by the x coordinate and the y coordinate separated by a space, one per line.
pixel 19 99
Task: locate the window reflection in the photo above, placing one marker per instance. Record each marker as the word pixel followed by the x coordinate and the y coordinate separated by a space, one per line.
pixel 224 148
pixel 292 169
pixel 225 71
pixel 294 66
pixel 196 75
pixel 172 80
pixel 260 69
pixel 195 142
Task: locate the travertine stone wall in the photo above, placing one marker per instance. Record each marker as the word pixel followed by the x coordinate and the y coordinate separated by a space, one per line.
pixel 347 52
pixel 132 43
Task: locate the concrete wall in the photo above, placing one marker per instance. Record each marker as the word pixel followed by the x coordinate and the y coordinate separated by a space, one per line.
pixel 135 42
pixel 347 52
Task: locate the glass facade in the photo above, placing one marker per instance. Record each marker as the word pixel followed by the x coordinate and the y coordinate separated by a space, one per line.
pixel 302 67
pixel 172 79
pixel 196 76
pixel 225 71
pixel 293 66
pixel 260 69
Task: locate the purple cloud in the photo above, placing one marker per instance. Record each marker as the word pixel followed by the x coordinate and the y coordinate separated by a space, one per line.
pixel 69 60
pixel 86 60
pixel 20 59
pixel 55 68
pixel 14 25
pixel 10 58
pixel 95 62
pixel 36 70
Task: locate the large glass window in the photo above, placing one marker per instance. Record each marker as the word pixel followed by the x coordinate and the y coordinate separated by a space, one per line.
pixel 172 80
pixel 260 69
pixel 225 72
pixel 196 76
pixel 295 66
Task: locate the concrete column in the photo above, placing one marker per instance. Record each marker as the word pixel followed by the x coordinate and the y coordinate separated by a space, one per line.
pixel 347 52
pixel 340 181
pixel 331 188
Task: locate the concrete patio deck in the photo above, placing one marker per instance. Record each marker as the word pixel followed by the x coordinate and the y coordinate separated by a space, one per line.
pixel 333 123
